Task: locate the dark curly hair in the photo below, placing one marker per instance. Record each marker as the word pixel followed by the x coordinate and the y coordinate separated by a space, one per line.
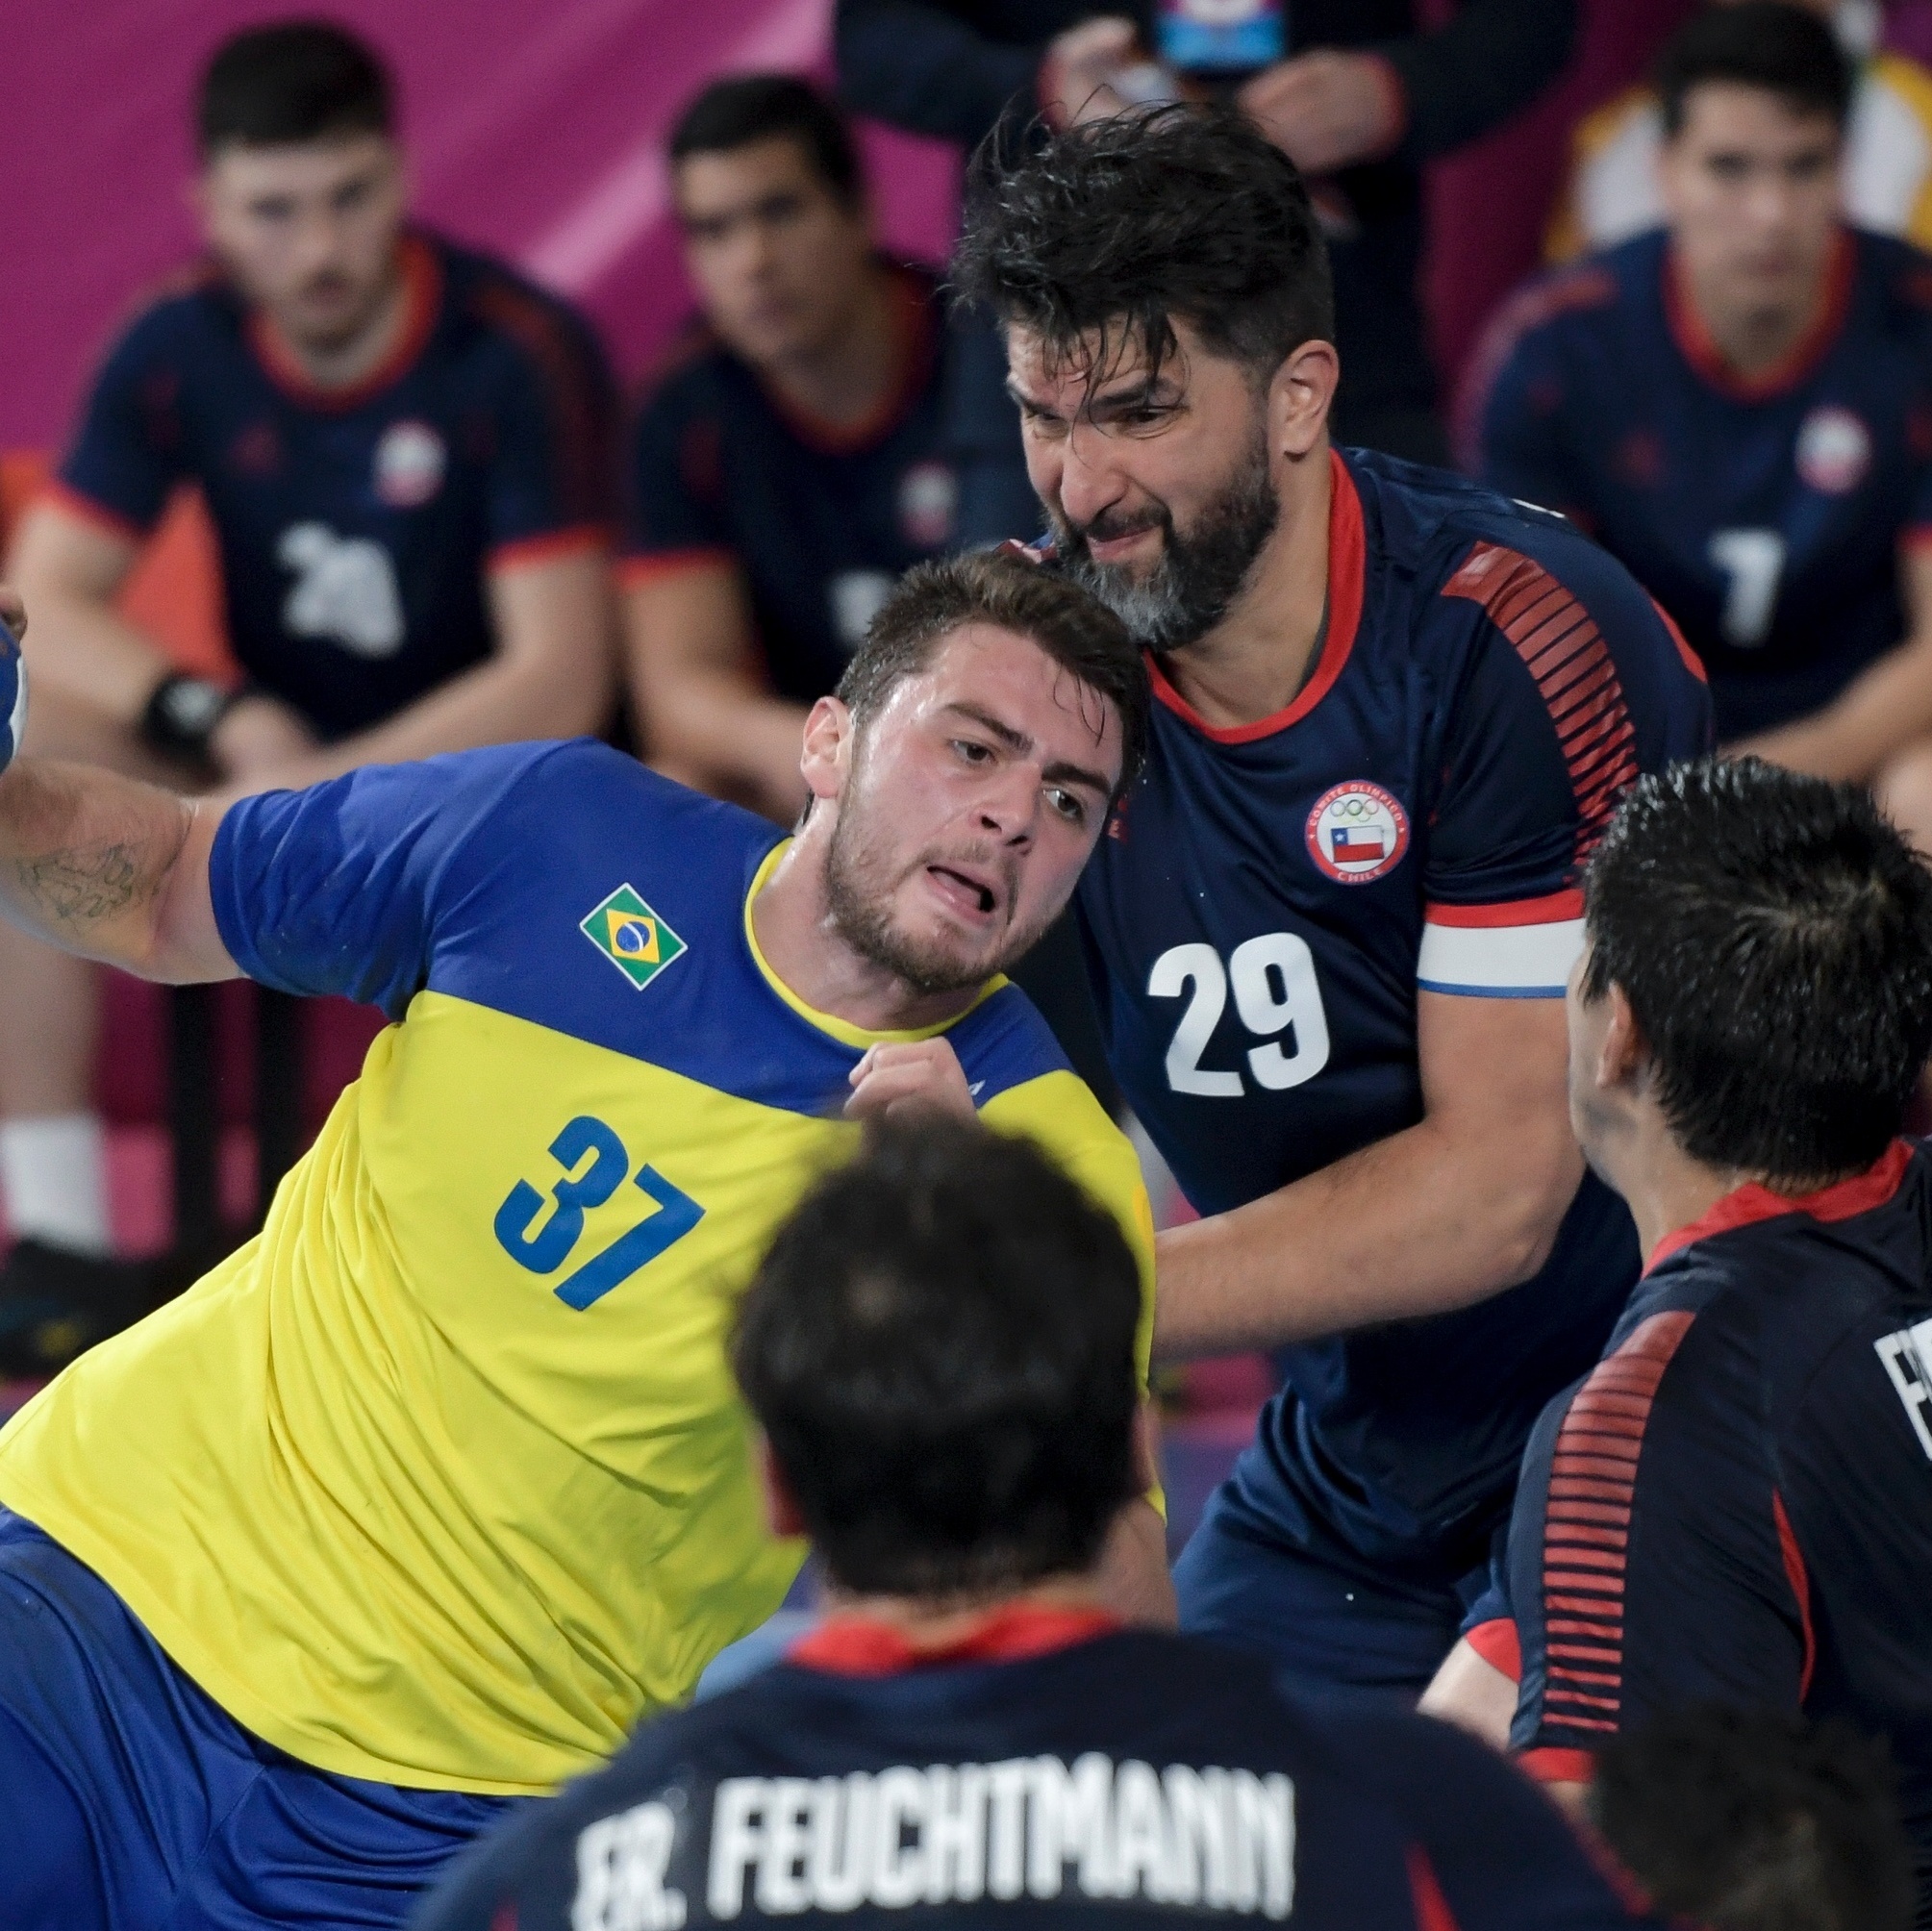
pixel 1117 229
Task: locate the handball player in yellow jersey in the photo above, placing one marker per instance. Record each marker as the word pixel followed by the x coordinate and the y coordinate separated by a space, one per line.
pixel 418 1502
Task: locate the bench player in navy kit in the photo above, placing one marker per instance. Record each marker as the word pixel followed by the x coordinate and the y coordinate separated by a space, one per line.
pixel 940 1348
pixel 1332 920
pixel 1735 1505
pixel 406 454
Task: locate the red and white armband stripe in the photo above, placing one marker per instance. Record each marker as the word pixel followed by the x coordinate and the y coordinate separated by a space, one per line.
pixel 1518 951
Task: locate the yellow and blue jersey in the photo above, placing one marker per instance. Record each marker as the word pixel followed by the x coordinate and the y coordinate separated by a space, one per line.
pixel 441 1481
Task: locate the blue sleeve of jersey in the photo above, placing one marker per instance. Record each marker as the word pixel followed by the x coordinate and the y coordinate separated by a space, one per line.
pixel 1502 1855
pixel 1647 1567
pixel 1513 425
pixel 127 454
pixel 554 471
pixel 343 888
pixel 676 480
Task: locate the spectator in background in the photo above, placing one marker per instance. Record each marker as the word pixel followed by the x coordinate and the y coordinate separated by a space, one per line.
pixel 1362 102
pixel 1756 1820
pixel 407 455
pixel 1736 1503
pixel 1740 408
pixel 1614 192
pixel 785 469
pixel 940 1348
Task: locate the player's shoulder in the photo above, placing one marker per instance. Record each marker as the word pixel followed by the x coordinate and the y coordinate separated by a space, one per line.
pixel 1578 302
pixel 1895 278
pixel 178 312
pixel 692 375
pixel 486 297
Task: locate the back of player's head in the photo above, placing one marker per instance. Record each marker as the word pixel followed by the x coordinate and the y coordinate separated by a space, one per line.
pixel 1114 230
pixel 733 113
pixel 934 601
pixel 939 1348
pixel 1774 935
pixel 294 81
pixel 1757 1821
pixel 1783 49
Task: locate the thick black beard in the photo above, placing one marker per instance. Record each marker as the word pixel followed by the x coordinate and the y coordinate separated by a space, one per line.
pixel 1199 575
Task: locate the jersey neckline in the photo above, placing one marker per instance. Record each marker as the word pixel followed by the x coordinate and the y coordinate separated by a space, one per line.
pixel 1695 345
pixel 841 1030
pixel 422 300
pixel 851 1644
pixel 1752 1203
pixel 913 350
pixel 1347 578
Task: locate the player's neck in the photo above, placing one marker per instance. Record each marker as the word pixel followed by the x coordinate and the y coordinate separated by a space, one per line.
pixel 345 363
pixel 849 377
pixel 1750 339
pixel 1256 659
pixel 802 943
pixel 939 1623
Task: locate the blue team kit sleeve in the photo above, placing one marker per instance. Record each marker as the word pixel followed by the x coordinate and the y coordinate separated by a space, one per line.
pixel 129 453
pixel 338 888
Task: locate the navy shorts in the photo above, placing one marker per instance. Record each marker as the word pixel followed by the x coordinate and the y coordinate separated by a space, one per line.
pixel 133 1800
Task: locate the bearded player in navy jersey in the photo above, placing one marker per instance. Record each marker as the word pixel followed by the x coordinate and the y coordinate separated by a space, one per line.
pixel 1735 1505
pixel 1740 407
pixel 406 453
pixel 1331 922
pixel 939 1348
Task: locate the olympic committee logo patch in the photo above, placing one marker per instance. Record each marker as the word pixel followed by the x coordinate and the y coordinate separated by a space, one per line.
pixel 1357 832
pixel 631 936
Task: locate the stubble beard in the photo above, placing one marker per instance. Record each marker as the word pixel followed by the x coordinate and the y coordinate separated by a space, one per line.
pixel 1199 575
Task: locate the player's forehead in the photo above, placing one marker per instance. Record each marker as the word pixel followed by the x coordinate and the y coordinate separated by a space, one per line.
pixel 1733 116
pixel 304 167
pixel 986 673
pixel 713 183
pixel 1111 363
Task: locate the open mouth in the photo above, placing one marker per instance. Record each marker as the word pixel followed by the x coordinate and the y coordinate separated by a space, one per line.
pixel 962 890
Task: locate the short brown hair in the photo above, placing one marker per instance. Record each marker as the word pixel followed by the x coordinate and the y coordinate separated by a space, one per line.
pixel 994 586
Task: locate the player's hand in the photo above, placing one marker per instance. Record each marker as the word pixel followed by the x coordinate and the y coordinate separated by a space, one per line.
pixel 13 675
pixel 925 1075
pixel 1327 110
pixel 1080 64
pixel 255 739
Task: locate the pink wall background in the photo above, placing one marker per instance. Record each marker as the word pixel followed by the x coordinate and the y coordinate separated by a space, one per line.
pixel 535 128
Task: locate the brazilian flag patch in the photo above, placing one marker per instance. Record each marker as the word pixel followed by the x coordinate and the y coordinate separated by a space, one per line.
pixel 631 936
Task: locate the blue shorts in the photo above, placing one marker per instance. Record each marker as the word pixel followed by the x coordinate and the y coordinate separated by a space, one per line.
pixel 133 1800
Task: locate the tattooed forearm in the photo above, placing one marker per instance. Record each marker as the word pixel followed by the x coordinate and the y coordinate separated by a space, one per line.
pixel 80 887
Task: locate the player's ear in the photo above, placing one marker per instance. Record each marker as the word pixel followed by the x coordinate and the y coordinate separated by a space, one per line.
pixel 1622 1056
pixel 781 1512
pixel 1298 398
pixel 826 755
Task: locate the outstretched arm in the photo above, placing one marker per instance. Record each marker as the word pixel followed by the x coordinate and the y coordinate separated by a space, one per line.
pixel 102 866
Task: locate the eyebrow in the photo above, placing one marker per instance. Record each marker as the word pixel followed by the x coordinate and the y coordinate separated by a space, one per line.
pixel 1143 394
pixel 1060 772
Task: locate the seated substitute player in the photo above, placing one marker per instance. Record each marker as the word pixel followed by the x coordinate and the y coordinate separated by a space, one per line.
pixel 1885 182
pixel 1735 1505
pixel 1741 410
pixel 940 1350
pixel 786 468
pixel 408 454
pixel 1331 921
pixel 418 1502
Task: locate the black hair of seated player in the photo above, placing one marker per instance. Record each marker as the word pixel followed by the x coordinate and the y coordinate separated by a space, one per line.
pixel 1757 1821
pixel 296 81
pixel 747 108
pixel 1783 49
pixel 940 1350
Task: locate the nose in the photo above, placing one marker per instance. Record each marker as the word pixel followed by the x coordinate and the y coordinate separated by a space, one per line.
pixel 1009 807
pixel 1090 476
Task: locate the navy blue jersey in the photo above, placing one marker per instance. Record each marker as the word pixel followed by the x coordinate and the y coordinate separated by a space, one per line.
pixel 1270 900
pixel 1735 1505
pixel 820 521
pixel 357 526
pixel 1047 1767
pixel 1767 516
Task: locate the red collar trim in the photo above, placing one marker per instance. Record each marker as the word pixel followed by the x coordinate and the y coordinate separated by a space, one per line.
pixel 1700 351
pixel 1752 1203
pixel 422 300
pixel 1348 576
pixel 858 1645
pixel 914 344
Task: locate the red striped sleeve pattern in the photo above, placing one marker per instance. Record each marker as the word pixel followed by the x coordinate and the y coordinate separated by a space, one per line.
pixel 1574 672
pixel 1592 1484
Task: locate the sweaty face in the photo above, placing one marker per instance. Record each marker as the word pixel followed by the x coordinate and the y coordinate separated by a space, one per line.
pixel 1751 188
pixel 1159 490
pixel 971 803
pixel 777 258
pixel 308 231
